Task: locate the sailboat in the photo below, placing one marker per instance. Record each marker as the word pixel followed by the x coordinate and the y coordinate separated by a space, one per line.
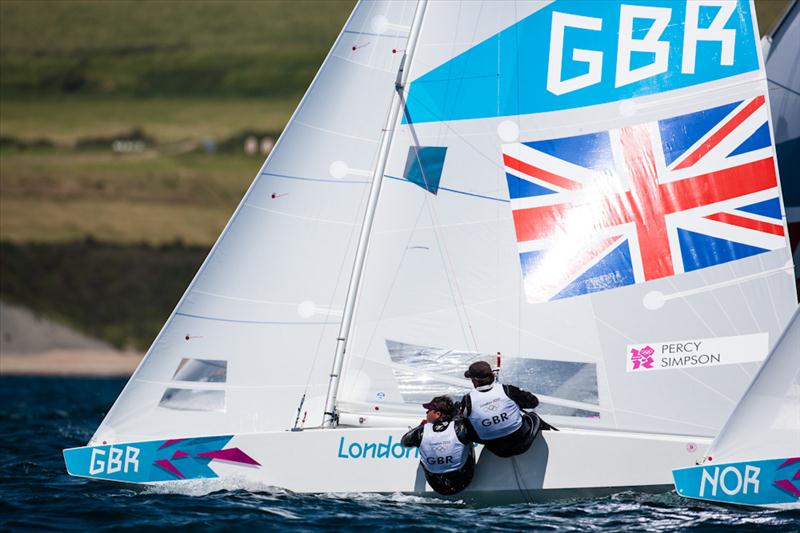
pixel 755 460
pixel 581 193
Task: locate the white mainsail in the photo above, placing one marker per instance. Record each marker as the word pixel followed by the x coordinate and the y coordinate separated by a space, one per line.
pixel 609 228
pixel 443 272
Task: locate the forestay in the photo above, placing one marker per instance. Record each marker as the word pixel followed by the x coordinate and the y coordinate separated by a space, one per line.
pixel 588 188
pixel 257 326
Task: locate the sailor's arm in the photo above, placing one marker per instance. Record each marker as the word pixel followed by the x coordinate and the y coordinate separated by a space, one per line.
pixel 413 438
pixel 466 405
pixel 464 432
pixel 523 398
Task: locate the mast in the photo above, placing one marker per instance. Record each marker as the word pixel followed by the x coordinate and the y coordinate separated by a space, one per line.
pixel 329 418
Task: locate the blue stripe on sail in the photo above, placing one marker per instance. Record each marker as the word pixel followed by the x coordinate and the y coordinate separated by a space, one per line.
pixel 217 319
pixel 759 139
pixel 509 73
pixel 519 188
pixel 302 178
pixel 769 208
pixel 701 251
pixel 373 34
pixel 590 151
pixel 334 181
pixel 678 134
pixel 465 193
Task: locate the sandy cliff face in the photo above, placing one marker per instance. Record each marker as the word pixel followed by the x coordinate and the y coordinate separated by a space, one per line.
pixel 34 345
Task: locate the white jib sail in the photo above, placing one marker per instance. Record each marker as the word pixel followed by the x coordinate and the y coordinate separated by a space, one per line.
pixel 546 200
pixel 766 422
pixel 256 328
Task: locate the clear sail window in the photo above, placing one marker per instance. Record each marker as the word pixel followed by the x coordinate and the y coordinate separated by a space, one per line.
pixel 193 399
pixel 443 368
pixel 202 370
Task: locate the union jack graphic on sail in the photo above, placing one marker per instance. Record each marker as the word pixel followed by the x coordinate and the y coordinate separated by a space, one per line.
pixel 643 202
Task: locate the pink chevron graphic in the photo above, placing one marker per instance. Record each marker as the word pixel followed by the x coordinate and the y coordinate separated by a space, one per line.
pixel 169 442
pixel 179 454
pixel 169 467
pixel 234 455
pixel 786 485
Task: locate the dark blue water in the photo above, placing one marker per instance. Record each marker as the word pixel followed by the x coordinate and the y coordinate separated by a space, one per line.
pixel 39 417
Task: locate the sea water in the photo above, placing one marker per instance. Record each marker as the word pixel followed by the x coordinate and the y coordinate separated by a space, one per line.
pixel 40 416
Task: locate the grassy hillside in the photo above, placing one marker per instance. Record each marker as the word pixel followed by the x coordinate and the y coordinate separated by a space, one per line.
pixel 49 195
pixel 148 48
pixel 89 236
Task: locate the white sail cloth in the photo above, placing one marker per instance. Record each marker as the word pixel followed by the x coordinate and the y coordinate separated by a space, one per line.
pixel 766 422
pixel 267 301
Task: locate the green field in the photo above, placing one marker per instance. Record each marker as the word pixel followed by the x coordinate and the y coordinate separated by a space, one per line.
pixel 181 73
pixel 164 48
pixel 67 119
pixel 76 73
pixel 57 195
pixel 107 242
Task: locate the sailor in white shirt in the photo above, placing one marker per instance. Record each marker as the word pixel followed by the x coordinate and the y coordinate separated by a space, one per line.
pixel 495 414
pixel 446 454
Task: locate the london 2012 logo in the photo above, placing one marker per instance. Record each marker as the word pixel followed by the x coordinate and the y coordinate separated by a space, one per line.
pixel 649 356
pixel 642 358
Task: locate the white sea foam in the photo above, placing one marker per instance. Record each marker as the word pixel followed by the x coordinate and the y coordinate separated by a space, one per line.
pixel 203 487
pixel 394 497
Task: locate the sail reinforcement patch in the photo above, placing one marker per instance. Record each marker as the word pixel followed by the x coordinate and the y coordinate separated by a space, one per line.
pixel 424 166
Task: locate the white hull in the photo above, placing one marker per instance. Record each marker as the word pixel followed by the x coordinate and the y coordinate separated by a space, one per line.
pixel 570 463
